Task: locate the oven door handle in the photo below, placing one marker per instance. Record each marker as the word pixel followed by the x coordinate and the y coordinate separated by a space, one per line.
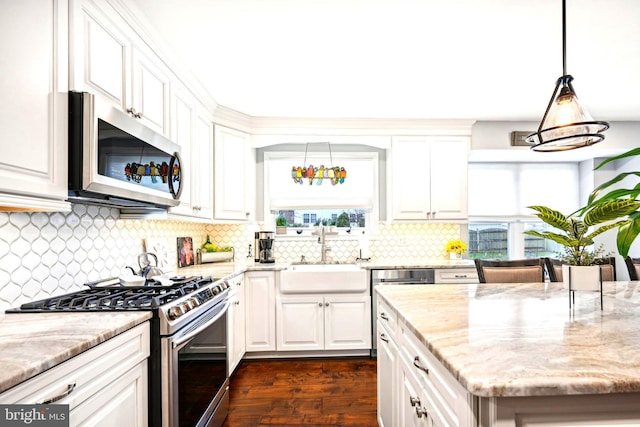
pixel 199 327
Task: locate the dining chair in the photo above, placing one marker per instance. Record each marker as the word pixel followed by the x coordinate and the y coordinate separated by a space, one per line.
pixel 607 266
pixel 633 265
pixel 513 271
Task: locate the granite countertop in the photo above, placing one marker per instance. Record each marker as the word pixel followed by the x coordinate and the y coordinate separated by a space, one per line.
pixel 523 339
pixel 31 343
pixel 226 269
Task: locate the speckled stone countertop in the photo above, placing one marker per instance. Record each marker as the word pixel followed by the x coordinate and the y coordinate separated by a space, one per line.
pixel 225 269
pixel 524 340
pixel 31 343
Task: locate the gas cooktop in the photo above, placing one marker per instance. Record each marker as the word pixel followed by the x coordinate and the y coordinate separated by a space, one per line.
pixel 121 298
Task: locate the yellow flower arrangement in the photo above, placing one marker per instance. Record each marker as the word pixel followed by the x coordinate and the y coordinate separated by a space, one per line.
pixel 457 246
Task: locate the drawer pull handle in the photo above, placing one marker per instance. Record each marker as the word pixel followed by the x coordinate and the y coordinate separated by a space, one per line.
pixel 421 410
pixel 383 337
pixel 414 401
pixel 416 363
pixel 460 276
pixel 64 394
pixel 384 316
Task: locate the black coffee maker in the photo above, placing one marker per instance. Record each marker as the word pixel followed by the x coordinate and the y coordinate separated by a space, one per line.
pixel 265 245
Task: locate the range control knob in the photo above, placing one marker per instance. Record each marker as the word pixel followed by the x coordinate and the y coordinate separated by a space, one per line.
pixel 185 306
pixel 175 312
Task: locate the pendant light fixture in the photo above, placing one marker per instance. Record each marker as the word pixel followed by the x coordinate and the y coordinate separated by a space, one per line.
pixel 566 125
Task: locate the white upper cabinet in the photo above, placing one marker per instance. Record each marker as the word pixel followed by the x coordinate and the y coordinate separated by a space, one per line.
pixel 192 129
pixel 183 118
pixel 202 159
pixel 151 91
pixel 33 116
pixel 233 175
pixel 429 178
pixel 109 59
pixel 100 53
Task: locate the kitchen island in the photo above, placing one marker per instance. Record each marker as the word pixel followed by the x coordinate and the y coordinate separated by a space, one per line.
pixel 512 354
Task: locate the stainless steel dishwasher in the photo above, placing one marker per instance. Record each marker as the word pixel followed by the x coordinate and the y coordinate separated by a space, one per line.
pixel 393 277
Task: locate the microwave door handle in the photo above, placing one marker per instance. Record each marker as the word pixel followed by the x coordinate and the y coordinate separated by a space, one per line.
pixel 175 161
pixel 188 336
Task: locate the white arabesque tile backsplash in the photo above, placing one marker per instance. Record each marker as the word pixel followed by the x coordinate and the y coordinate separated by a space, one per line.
pixel 48 254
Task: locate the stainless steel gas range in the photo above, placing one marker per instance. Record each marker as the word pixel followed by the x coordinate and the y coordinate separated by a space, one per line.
pixel 188 367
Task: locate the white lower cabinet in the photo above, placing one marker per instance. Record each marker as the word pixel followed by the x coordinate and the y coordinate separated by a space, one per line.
pixel 103 386
pixel 412 411
pixel 318 322
pixel 236 323
pixel 387 353
pixel 442 399
pixel 260 294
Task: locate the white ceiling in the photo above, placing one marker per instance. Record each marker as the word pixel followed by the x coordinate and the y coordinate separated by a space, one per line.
pixel 429 59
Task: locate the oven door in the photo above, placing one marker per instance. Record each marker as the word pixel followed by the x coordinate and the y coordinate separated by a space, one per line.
pixel 194 376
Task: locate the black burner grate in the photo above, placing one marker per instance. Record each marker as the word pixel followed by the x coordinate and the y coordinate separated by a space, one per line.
pixel 116 298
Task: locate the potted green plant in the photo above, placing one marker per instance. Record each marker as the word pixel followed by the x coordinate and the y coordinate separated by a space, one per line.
pixel 628 230
pixel 576 233
pixel 281 224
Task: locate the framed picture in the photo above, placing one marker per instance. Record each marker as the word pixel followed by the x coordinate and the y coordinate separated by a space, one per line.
pixel 185 252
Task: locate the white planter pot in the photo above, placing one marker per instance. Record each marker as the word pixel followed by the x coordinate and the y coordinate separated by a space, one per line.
pixel 582 277
pixel 281 229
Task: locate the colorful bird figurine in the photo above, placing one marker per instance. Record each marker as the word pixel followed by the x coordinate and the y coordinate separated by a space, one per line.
pixel 319 175
pixel 310 173
pixel 299 175
pixel 343 175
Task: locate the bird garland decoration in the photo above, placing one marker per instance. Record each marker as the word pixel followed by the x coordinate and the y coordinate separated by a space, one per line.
pixel 335 175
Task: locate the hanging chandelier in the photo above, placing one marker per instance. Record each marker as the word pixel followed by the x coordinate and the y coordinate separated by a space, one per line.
pixel 566 125
pixel 316 175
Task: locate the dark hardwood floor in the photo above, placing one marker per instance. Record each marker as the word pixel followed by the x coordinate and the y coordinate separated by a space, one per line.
pixel 310 392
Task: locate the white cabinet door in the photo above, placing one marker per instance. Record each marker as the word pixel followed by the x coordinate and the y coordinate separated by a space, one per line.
pixel 387 379
pixel 236 324
pixel 260 288
pixel 151 91
pixel 202 159
pixel 300 323
pixel 101 53
pixel 33 116
pixel 411 401
pixel 429 178
pixel 232 152
pixel 122 404
pixel 449 178
pixel 192 129
pixel 411 178
pixel 347 323
pixel 183 119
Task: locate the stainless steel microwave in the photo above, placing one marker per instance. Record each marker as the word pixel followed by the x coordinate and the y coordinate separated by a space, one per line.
pixel 115 160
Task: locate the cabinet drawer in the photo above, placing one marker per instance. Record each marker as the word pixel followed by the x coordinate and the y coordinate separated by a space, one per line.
pixel 387 318
pixel 448 400
pixel 456 275
pixel 85 374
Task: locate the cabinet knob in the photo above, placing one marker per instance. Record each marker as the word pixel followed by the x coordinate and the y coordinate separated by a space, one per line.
pixel 319 304
pixel 326 304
